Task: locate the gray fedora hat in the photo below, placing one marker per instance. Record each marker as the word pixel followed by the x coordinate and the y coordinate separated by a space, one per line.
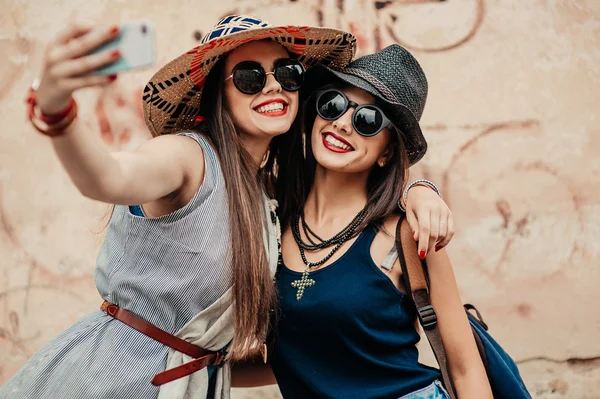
pixel 396 79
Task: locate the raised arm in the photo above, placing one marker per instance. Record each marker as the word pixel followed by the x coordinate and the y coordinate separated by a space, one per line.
pixel 157 169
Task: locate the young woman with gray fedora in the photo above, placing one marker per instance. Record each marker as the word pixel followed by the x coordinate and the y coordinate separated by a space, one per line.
pixel 346 326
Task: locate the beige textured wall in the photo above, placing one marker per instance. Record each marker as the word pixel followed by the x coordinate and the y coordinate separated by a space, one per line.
pixel 514 145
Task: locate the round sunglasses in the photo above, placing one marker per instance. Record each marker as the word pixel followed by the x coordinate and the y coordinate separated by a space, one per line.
pixel 250 77
pixel 367 119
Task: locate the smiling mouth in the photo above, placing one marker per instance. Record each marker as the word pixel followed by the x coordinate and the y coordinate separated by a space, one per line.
pixel 335 144
pixel 273 108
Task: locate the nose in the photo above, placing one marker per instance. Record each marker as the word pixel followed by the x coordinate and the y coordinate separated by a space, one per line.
pixel 343 124
pixel 271 85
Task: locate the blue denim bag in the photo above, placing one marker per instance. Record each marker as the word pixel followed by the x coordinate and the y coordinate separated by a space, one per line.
pixel 502 370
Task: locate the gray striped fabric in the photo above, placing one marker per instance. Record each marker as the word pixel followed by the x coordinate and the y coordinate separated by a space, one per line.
pixel 165 270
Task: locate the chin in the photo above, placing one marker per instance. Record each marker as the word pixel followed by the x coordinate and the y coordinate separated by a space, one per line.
pixel 271 128
pixel 334 165
pixel 276 130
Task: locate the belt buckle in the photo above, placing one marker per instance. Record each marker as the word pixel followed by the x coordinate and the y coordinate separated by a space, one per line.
pixel 109 308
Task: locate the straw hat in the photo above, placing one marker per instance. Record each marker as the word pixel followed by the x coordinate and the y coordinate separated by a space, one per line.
pixel 171 99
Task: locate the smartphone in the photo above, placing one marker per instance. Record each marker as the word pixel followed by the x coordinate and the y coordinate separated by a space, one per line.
pixel 136 44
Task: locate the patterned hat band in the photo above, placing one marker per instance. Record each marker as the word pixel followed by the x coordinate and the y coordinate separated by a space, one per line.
pixel 383 89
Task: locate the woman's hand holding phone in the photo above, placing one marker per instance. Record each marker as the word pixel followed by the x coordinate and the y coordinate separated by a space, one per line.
pixel 84 56
pixel 135 43
pixel 68 65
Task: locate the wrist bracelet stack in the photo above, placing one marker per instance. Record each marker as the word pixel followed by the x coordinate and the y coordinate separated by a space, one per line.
pixel 49 125
pixel 421 182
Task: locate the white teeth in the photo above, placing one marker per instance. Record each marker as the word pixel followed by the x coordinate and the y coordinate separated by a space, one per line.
pixel 271 107
pixel 337 143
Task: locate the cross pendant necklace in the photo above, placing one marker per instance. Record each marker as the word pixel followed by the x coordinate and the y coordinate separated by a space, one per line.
pixel 346 234
pixel 303 283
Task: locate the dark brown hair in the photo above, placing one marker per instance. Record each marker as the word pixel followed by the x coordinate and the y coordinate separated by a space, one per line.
pixel 254 293
pixel 296 174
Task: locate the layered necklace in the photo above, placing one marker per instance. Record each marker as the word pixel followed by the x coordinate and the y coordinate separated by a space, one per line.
pixel 316 243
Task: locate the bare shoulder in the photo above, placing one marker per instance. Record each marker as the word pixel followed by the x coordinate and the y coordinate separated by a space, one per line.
pixel 173 145
pixel 386 237
pixel 389 225
pixel 387 233
pixel 180 159
pixel 178 152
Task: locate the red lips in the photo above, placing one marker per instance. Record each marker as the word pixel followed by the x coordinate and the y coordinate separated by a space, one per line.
pixel 273 113
pixel 334 148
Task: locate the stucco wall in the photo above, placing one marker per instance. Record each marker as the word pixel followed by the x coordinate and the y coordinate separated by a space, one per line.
pixel 514 145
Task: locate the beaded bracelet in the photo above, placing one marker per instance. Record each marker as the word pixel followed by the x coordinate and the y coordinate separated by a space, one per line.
pixel 416 183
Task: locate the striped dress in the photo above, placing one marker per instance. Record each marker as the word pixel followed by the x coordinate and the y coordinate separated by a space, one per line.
pixel 165 270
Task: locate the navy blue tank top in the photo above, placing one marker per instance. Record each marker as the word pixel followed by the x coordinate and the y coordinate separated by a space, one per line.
pixel 351 335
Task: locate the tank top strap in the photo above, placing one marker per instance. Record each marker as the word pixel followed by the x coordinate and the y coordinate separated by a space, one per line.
pixel 212 167
pixel 366 242
pixel 213 175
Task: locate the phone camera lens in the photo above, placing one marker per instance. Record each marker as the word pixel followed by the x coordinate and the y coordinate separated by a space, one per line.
pixel 144 29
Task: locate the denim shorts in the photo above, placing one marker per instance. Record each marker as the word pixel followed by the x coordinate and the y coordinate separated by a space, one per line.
pixel 433 391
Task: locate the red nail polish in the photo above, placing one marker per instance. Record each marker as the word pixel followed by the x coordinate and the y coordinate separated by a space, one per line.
pixel 112 77
pixel 114 30
pixel 115 54
pixel 422 255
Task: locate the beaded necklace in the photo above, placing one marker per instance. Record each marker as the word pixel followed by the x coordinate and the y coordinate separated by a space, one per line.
pixel 316 243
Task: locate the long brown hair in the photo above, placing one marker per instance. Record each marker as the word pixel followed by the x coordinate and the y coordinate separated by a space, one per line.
pixel 254 293
pixel 296 174
pixel 253 289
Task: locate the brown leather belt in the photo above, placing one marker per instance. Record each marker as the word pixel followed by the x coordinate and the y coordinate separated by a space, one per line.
pixel 202 357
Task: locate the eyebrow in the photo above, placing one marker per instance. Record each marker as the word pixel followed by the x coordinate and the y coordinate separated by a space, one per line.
pixel 277 60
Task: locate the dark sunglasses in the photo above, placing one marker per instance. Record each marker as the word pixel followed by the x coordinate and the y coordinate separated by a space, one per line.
pixel 367 119
pixel 249 77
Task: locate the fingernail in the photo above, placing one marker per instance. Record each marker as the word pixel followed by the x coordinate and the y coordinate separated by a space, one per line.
pixel 422 255
pixel 114 30
pixel 112 77
pixel 115 54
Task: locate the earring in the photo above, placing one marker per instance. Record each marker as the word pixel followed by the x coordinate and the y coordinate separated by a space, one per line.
pixel 381 163
pixel 263 163
pixel 304 145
